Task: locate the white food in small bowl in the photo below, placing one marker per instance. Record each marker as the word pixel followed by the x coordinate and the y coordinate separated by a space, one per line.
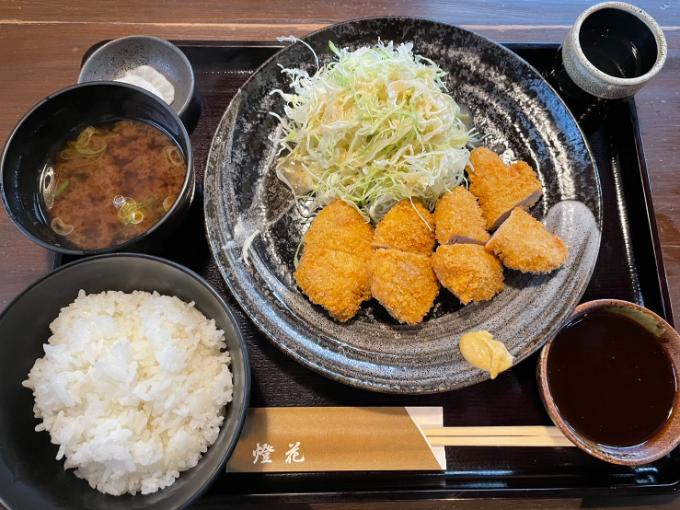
pixel 150 79
pixel 132 388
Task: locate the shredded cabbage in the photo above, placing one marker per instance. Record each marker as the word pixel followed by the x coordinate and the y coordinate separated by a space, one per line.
pixel 373 126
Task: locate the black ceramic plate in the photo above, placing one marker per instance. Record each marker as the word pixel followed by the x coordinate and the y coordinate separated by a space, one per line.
pixel 520 116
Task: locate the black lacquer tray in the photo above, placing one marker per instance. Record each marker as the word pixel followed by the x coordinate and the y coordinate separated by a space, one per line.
pixel 629 267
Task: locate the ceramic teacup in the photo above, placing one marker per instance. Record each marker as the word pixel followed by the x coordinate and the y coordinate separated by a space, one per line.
pixel 613 49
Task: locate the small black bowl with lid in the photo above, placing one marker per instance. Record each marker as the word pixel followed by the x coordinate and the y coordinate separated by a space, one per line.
pixel 53 121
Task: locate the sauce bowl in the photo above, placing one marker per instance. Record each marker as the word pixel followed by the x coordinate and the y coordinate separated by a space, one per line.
pixel 667 437
pixel 46 126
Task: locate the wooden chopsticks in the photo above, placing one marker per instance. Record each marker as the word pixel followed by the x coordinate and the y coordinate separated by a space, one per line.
pixel 497 436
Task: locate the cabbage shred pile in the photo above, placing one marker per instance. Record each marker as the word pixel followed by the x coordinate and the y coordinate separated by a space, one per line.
pixel 372 127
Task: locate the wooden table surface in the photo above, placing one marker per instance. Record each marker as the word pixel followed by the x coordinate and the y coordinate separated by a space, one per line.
pixel 41 44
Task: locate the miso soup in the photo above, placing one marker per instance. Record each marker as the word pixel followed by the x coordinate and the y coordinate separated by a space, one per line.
pixel 111 183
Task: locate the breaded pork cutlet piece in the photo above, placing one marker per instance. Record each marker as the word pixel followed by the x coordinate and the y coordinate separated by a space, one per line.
pixel 404 283
pixel 339 226
pixel 468 271
pixel 459 219
pixel 500 187
pixel 334 279
pixel 523 243
pixel 408 226
pixel 334 269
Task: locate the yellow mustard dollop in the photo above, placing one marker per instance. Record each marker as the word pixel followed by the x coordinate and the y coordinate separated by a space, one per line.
pixel 481 350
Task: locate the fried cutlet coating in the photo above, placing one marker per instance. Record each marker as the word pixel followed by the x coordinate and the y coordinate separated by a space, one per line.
pixel 523 243
pixel 404 283
pixel 339 226
pixel 334 279
pixel 500 187
pixel 334 269
pixel 468 271
pixel 405 228
pixel 458 218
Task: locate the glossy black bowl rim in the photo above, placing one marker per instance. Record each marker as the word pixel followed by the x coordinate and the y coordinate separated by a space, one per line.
pixel 188 178
pixel 230 314
pixel 97 54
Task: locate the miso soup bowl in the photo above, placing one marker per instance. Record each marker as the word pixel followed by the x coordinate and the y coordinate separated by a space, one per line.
pixel 57 118
pixel 667 438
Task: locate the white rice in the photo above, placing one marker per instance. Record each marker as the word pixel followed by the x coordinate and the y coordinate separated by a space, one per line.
pixel 132 388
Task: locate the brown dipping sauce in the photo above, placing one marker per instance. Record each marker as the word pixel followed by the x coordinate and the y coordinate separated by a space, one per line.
pixel 611 379
pixel 111 183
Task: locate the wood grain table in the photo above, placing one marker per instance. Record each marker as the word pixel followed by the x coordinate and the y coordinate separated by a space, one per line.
pixel 41 44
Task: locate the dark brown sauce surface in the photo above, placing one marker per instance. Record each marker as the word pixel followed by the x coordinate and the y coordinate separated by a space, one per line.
pixel 111 183
pixel 611 379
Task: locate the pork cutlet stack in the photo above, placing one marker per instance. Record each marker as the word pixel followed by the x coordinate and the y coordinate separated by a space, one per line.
pixel 500 187
pixel 334 268
pixel 344 262
pixel 402 279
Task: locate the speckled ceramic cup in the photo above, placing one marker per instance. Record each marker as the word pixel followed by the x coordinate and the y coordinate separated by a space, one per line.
pixel 114 58
pixel 613 49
